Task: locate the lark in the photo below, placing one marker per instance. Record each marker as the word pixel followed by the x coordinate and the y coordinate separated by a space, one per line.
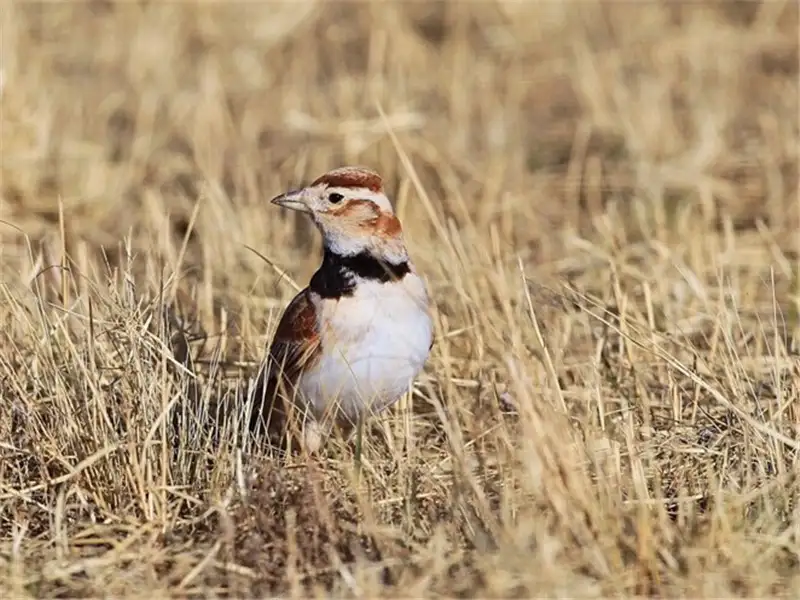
pixel 349 344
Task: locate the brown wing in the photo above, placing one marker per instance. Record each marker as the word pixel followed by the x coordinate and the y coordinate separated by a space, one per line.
pixel 294 347
pixel 296 339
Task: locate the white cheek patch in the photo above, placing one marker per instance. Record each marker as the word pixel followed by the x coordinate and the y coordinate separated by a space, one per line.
pixel 380 200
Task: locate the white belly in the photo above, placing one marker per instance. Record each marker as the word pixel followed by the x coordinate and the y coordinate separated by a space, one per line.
pixel 375 343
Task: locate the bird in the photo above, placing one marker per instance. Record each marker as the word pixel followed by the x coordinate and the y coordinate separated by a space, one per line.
pixel 349 344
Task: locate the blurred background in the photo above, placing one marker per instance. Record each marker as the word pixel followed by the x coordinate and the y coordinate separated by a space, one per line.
pixel 536 116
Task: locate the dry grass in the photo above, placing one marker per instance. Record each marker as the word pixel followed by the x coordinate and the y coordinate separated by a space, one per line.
pixel 603 198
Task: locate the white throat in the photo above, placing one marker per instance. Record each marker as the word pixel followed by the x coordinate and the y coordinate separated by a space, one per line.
pixel 391 250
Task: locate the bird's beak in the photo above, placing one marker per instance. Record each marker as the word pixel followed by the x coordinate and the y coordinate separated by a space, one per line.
pixel 295 200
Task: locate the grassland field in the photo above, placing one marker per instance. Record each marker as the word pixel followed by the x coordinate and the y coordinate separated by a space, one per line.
pixel 602 197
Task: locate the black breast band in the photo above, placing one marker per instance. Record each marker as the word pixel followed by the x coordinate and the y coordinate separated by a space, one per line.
pixel 337 276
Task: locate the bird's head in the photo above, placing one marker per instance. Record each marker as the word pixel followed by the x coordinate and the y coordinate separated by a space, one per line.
pixel 352 212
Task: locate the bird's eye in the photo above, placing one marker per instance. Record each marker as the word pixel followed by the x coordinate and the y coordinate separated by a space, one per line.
pixel 335 197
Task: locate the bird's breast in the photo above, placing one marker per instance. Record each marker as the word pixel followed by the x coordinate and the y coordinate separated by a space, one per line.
pixel 373 343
